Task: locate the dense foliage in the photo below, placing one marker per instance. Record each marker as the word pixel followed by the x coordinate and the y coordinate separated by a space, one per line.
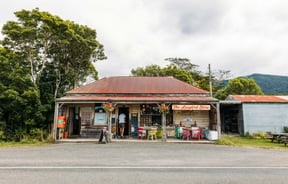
pixel 41 57
pixel 239 86
pixel 183 69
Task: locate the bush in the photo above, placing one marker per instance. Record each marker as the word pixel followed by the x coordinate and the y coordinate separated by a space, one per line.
pixel 32 135
pixel 224 141
pixel 49 139
pixel 256 135
pixel 285 129
pixel 261 135
pixel 2 135
pixel 36 133
pixel 25 141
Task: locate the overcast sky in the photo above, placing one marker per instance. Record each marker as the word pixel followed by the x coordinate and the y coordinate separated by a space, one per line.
pixel 244 36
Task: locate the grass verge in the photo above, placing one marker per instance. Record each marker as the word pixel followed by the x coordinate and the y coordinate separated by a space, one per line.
pixel 250 142
pixel 19 144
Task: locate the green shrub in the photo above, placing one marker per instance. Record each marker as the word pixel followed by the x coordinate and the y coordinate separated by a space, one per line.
pixel 261 135
pixel 49 139
pixel 2 135
pixel 36 133
pixel 225 141
pixel 285 129
pixel 20 134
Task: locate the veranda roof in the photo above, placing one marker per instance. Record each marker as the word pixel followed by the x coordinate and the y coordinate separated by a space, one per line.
pixel 138 99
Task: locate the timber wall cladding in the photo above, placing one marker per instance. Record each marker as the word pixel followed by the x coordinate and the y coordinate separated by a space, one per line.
pixel 201 117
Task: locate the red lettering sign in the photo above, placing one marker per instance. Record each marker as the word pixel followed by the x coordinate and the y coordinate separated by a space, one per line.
pixel 190 107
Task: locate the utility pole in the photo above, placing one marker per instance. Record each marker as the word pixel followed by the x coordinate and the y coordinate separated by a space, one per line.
pixel 210 80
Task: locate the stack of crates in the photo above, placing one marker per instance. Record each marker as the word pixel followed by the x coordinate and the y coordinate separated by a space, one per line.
pixel 141 133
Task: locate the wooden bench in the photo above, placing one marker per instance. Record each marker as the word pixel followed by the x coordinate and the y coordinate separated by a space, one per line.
pixel 285 140
pixel 280 137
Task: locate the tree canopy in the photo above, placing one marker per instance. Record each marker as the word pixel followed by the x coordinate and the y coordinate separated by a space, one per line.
pixel 20 104
pixel 41 57
pixel 156 71
pixel 239 86
pixel 183 69
pixel 47 42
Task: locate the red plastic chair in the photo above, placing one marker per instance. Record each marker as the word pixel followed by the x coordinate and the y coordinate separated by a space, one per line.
pixel 186 134
pixel 196 134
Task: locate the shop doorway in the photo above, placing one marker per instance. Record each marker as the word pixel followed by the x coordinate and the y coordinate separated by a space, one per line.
pixel 124 110
pixel 74 121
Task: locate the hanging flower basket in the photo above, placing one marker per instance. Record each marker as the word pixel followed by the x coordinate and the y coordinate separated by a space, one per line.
pixel 163 108
pixel 108 107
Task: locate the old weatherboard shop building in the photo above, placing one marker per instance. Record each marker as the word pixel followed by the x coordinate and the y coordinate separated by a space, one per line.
pixel 84 109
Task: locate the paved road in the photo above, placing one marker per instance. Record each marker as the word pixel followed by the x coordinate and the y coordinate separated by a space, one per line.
pixel 142 163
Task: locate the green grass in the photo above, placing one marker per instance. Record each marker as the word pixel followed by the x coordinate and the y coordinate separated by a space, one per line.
pixel 250 142
pixel 19 144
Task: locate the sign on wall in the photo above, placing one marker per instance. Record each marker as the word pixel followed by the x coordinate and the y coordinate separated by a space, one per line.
pixel 190 107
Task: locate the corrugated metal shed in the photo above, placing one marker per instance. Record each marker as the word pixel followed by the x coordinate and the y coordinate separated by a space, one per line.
pixel 138 85
pixel 258 98
pixel 259 113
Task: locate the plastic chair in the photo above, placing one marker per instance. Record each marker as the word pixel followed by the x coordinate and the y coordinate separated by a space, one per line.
pixel 159 133
pixel 196 134
pixel 178 132
pixel 152 133
pixel 186 135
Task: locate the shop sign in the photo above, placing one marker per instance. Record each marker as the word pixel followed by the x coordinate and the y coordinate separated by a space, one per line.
pixel 190 107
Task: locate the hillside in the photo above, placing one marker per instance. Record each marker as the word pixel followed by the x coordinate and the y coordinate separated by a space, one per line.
pixel 271 84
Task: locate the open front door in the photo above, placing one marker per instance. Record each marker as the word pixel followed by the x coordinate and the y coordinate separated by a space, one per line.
pixel 124 110
pixel 74 128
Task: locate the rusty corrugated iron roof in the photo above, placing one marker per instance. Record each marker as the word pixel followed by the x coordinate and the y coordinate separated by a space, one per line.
pixel 138 85
pixel 137 99
pixel 259 98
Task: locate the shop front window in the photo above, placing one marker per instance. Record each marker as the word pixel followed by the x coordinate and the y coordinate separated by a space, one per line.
pixel 100 115
pixel 150 109
pixel 151 115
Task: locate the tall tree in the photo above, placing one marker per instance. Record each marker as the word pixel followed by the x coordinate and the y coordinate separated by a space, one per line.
pixel 183 64
pixel 43 39
pixel 240 86
pixel 53 55
pixel 20 105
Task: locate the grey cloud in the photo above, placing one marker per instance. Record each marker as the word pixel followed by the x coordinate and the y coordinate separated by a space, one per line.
pixel 193 17
pixel 199 22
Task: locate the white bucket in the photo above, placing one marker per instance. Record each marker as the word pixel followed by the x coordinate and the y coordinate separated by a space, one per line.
pixel 212 135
